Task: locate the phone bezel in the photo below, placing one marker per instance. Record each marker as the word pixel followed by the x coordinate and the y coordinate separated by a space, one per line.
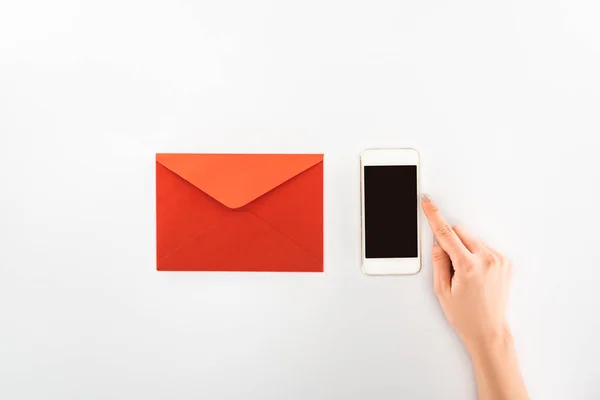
pixel 390 266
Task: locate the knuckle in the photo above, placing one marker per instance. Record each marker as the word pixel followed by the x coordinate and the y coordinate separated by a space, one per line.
pixel 466 264
pixel 489 259
pixel 467 268
pixel 438 253
pixel 445 230
pixel 464 260
pixel 438 256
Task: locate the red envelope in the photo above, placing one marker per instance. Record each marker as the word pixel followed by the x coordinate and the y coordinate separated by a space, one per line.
pixel 239 212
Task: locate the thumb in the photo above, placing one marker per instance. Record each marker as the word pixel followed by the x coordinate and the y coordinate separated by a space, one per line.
pixel 442 270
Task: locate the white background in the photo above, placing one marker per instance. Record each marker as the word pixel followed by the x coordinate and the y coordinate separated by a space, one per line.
pixel 502 99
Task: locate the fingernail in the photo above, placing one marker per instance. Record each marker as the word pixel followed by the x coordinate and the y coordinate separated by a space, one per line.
pixel 426 198
pixel 434 240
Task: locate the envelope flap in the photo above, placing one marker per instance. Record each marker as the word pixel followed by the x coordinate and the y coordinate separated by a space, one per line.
pixel 237 179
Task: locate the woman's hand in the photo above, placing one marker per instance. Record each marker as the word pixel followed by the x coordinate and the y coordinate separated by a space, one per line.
pixel 472 282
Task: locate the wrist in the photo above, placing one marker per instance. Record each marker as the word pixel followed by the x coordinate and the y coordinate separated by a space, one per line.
pixel 493 343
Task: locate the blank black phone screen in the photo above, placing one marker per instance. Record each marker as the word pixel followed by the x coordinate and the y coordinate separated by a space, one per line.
pixel 391 211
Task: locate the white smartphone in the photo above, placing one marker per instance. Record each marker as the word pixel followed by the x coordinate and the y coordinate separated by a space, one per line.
pixel 389 189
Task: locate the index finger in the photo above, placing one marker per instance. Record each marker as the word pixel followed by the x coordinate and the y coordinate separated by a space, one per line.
pixel 443 232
